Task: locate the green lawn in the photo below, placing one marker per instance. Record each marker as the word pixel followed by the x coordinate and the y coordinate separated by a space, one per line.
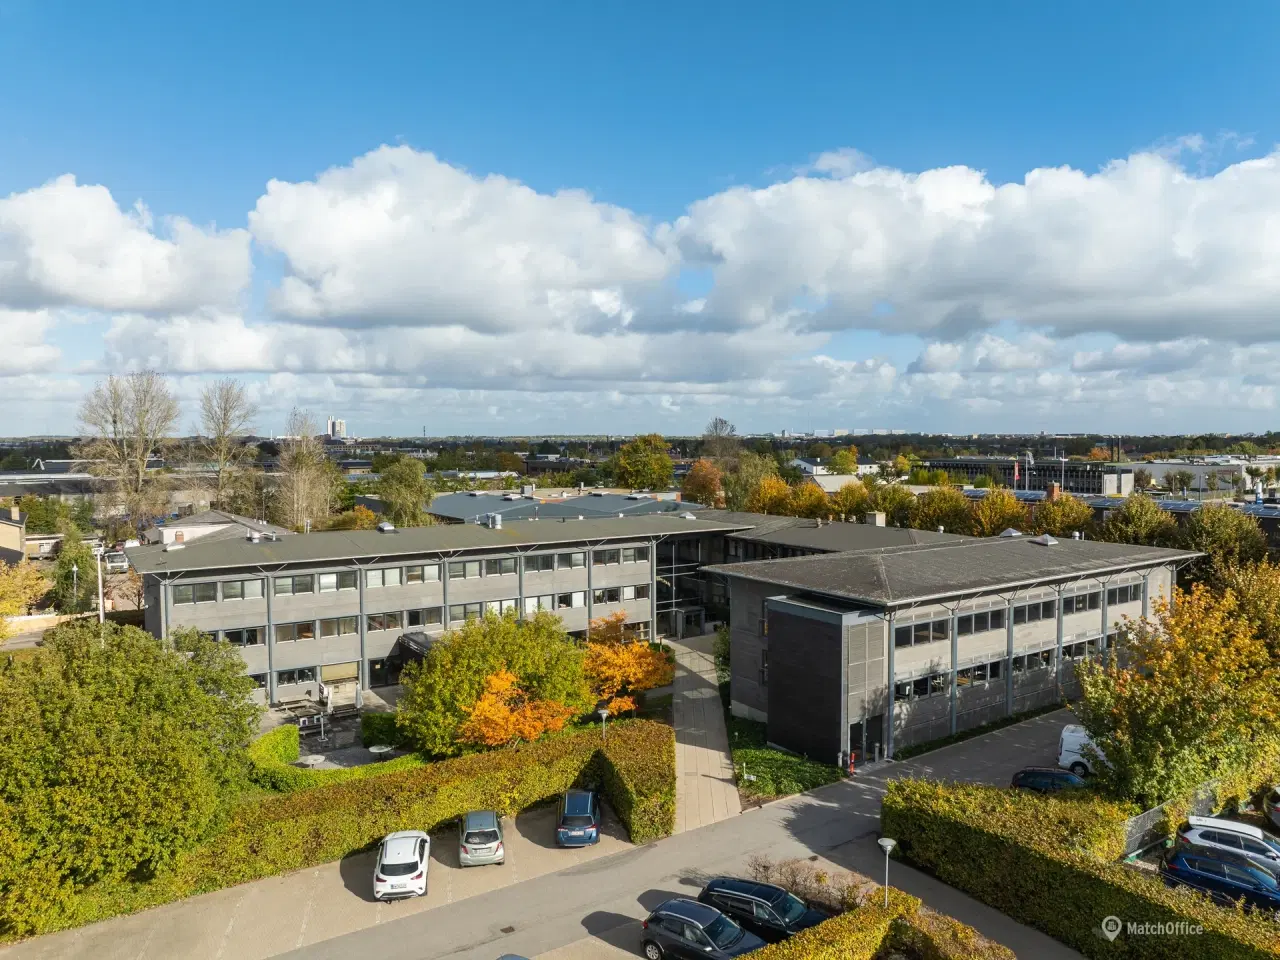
pixel 777 773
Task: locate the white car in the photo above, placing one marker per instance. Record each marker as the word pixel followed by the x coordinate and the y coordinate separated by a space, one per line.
pixel 1254 842
pixel 116 562
pixel 401 870
pixel 1071 744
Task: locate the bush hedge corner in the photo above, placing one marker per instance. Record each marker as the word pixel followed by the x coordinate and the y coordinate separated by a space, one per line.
pixel 1053 863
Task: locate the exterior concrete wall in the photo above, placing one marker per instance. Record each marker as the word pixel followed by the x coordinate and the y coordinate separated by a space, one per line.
pixel 749 647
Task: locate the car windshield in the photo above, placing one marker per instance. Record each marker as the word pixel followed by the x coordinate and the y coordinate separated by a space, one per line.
pixel 1271 842
pixel 572 821
pixel 398 869
pixel 479 837
pixel 790 908
pixel 723 931
pixel 1266 878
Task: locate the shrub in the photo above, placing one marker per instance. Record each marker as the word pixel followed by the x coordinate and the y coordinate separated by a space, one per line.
pixel 376 728
pixel 777 773
pixel 1051 862
pixel 272 755
pixel 316 824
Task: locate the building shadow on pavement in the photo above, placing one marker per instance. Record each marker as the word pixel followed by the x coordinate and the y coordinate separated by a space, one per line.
pixel 614 929
pixel 652 899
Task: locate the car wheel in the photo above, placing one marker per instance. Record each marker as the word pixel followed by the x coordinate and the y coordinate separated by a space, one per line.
pixel 1079 769
pixel 652 951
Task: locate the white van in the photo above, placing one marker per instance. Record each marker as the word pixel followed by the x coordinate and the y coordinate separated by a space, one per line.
pixel 1071 744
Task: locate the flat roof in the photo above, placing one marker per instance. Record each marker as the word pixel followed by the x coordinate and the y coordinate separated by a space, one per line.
pixel 897 576
pixel 346 545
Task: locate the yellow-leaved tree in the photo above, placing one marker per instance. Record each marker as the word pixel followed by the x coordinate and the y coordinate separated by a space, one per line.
pixel 21 585
pixel 618 667
pixel 771 495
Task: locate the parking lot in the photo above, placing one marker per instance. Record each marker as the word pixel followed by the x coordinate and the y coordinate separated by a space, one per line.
pixel 279 914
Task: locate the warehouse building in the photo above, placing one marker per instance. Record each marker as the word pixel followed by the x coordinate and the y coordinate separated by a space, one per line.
pixel 938 636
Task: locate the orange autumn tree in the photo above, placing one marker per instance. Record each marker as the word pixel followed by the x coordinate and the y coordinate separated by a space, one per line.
pixel 618 667
pixel 505 714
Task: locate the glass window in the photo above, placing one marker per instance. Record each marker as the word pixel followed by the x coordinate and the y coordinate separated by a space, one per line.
pixel 998 619
pixel 902 691
pixel 422 573
pixel 284 586
pixel 302 630
pixel 244 637
pixel 1068 606
pixel 344 580
pixel 183 593
pixel 922 632
pixel 642 591
pixel 329 628
pixel 902 636
pixel 464 569
pixel 426 617
pixel 607 595
pixel 1019 615
pixel 205 592
pixel 500 568
pixel 241 589
pixel 384 621
pixel 964 625
pixel 339 626
pixel 259 679
pixel 642 554
pixel 937 684
pixel 994 669
pixel 460 612
pixel 1033 612
pixel 327 582
pixel 1019 664
pixel 301 675
pixel 980 673
pixel 413 574
pixel 941 630
pixel 964 677
pixel 602 558
pixel 920 687
pixel 306 629
pixel 1094 600
pixel 540 562
pixel 565 561
pixel 982 622
pixel 1046 658
pixel 628 593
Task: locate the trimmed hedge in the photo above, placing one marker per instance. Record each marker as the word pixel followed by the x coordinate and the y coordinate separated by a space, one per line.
pixel 272 755
pixel 1051 863
pixel 312 825
pixel 872 931
pixel 376 728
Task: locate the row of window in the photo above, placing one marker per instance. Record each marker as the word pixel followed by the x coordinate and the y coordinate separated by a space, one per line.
pixel 395 576
pixel 936 684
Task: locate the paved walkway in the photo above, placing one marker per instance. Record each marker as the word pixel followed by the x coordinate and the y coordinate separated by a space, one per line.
pixel 705 788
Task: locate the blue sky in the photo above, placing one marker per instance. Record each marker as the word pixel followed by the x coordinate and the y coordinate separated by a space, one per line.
pixel 647 107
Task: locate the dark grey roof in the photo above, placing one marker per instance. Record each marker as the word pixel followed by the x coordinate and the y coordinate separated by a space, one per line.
pixel 341 546
pixel 830 537
pixel 469 508
pixel 894 576
pixel 7 517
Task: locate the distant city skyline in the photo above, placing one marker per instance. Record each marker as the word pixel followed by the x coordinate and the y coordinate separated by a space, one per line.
pixel 620 220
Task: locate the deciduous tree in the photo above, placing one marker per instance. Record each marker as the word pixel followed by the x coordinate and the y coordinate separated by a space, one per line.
pixel 1197 693
pixel 1225 535
pixel 720 440
pixel 1140 521
pixel 226 416
pixel 358 517
pixel 21 585
pixel 307 485
pixel 1062 517
pixel 809 500
pixel 75 575
pixel 702 483
pixel 505 714
pixel 844 460
pixel 851 501
pixel 998 511
pixel 126 421
pixel 618 667
pixel 116 754
pixel 749 469
pixel 771 495
pixel 643 464
pixel 944 507
pixel 895 501
pixel 406 491
pixel 440 691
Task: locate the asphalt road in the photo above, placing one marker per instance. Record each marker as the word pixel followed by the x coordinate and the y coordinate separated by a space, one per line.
pixel 602 898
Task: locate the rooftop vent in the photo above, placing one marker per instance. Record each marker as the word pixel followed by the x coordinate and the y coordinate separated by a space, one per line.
pixel 688 516
pixel 253 536
pixel 1044 540
pixel 511 496
pixel 1075 534
pixel 475 493
pixel 385 527
pixel 1010 532
pixel 596 493
pixel 493 521
pixel 176 545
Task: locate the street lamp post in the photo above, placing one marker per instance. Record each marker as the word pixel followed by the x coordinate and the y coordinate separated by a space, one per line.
pixel 886 845
pixel 75 586
pixel 97 556
pixel 604 714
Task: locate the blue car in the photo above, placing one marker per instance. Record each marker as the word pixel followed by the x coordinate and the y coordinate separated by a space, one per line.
pixel 579 822
pixel 1228 878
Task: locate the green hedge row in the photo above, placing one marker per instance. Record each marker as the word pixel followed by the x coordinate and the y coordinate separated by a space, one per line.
pixel 308 826
pixel 376 728
pixel 1052 863
pixel 272 755
pixel 873 930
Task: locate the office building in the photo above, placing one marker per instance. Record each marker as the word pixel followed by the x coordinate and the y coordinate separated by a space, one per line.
pixel 336 429
pixel 939 636
pixel 1086 477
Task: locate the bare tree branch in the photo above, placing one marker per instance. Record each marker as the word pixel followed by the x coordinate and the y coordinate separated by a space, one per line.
pixel 226 416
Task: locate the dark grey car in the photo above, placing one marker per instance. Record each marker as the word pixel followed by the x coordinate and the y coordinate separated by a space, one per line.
pixel 480 839
pixel 682 929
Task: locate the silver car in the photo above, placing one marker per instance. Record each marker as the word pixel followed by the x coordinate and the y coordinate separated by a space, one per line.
pixel 480 839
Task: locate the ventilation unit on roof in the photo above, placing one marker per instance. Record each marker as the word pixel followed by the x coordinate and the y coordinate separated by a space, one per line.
pixel 475 493
pixel 176 545
pixel 688 516
pixel 385 527
pixel 638 496
pixel 596 493
pixel 511 496
pixel 1044 540
pixel 1010 532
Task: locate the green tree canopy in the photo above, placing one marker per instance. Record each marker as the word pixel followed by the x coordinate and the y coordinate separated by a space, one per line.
pixel 895 501
pixel 404 488
pixel 440 690
pixel 1062 517
pixel 844 460
pixel 998 511
pixel 749 469
pixel 1140 521
pixel 1227 537
pixel 75 575
pixel 643 464
pixel 117 752
pixel 944 507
